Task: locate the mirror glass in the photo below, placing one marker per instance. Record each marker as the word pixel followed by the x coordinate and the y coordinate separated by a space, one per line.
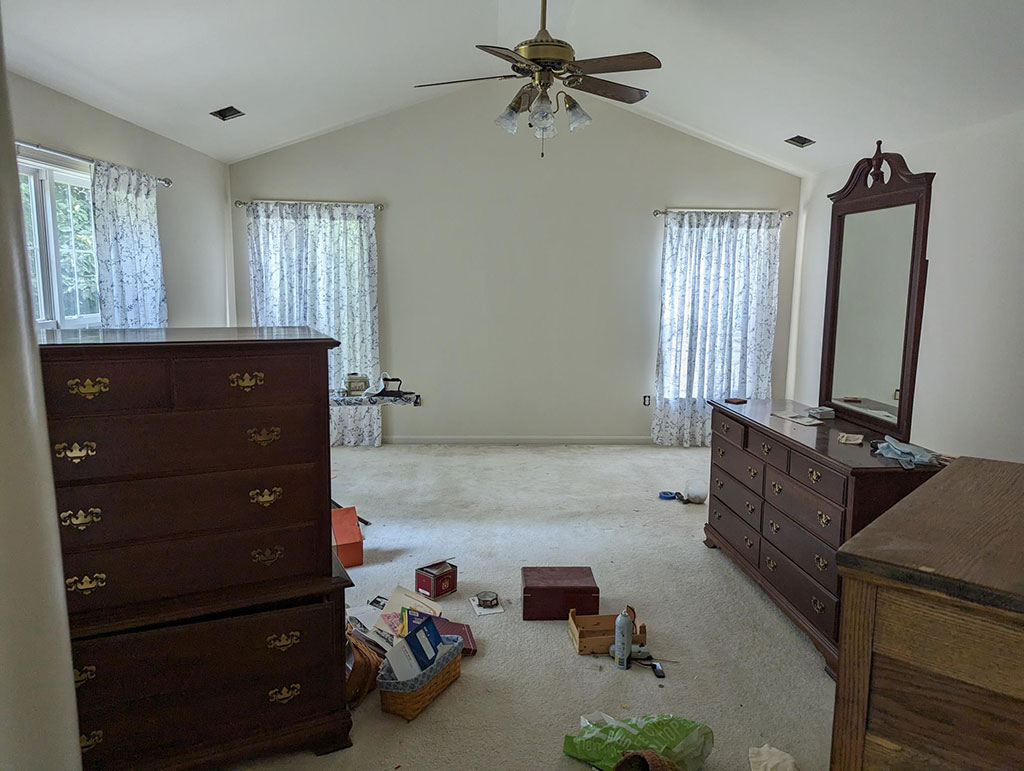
pixel 874 278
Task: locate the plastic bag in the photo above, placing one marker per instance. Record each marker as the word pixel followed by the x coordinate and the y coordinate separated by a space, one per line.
pixel 601 740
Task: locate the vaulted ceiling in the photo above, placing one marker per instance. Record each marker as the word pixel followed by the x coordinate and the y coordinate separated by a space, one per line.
pixel 744 74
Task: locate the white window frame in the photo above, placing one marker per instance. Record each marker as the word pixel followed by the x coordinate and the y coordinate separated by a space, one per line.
pixel 44 172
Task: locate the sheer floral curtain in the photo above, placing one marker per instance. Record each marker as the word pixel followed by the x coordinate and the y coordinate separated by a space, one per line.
pixel 129 264
pixel 315 264
pixel 719 288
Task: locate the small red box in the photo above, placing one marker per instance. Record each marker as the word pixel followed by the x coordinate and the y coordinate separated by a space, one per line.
pixel 549 593
pixel 437 579
pixel 346 537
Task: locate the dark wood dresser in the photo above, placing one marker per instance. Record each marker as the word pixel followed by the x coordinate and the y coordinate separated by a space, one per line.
pixel 932 669
pixel 193 497
pixel 784 497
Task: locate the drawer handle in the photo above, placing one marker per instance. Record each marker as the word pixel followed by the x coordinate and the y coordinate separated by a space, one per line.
pixel 285 693
pixel 246 381
pixel 86 584
pixel 773 525
pixel 766 449
pixel 820 563
pixel 264 436
pixel 721 452
pixel 719 484
pixel 265 497
pixel 75 452
pixel 84 675
pixel 725 427
pixel 718 514
pixel 267 556
pixel 86 743
pixel 772 564
pixel 283 642
pixel 748 542
pixel 80 519
pixel 752 471
pixel 818 605
pixel 776 488
pixel 824 519
pixel 750 507
pixel 813 475
pixel 88 389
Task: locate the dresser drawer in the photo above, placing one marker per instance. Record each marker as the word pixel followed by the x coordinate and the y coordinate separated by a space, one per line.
pixel 767 449
pixel 737 497
pixel 742 465
pixel 819 478
pixel 108 578
pixel 88 387
pixel 742 537
pixel 807 596
pixel 808 552
pixel 181 442
pixel 819 516
pixel 243 381
pixel 727 428
pixel 147 509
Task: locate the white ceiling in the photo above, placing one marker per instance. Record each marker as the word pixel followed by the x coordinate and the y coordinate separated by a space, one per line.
pixel 744 74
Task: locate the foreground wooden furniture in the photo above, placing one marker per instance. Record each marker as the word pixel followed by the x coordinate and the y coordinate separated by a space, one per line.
pixel 192 473
pixel 784 497
pixel 931 671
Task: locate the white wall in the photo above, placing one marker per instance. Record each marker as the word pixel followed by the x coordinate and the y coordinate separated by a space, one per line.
pixel 971 360
pixel 519 295
pixel 194 219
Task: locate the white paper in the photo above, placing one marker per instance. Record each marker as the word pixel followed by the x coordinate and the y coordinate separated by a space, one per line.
pixel 402 661
pixel 485 611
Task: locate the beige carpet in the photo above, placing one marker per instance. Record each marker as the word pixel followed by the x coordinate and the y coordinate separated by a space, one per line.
pixel 742 669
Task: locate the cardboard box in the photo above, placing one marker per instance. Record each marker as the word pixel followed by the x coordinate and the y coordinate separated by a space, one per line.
pixel 549 593
pixel 346 537
pixel 437 579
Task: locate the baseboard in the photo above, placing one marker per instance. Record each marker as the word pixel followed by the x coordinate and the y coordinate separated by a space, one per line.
pixel 517 439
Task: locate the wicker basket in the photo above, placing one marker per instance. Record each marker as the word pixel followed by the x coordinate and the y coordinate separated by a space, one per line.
pixel 409 698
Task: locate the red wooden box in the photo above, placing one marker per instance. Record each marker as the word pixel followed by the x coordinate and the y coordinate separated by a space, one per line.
pixel 549 593
pixel 346 537
pixel 437 579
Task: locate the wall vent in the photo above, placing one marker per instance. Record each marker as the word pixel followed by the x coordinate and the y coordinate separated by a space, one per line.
pixel 799 141
pixel 229 112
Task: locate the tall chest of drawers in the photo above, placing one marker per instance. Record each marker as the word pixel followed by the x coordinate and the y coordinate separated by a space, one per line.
pixel 784 497
pixel 193 498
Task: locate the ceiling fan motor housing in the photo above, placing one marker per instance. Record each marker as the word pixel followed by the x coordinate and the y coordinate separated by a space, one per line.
pixel 547 52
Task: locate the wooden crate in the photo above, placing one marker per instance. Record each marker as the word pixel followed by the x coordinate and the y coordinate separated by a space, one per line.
pixel 596 634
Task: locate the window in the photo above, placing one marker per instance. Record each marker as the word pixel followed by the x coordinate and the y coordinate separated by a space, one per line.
pixel 56 205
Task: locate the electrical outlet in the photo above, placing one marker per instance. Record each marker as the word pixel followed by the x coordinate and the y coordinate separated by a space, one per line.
pixel 647 400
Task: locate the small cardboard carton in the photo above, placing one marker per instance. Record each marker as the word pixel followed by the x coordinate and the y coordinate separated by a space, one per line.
pixel 346 537
pixel 437 579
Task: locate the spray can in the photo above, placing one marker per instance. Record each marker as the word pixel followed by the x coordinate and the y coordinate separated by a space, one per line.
pixel 623 639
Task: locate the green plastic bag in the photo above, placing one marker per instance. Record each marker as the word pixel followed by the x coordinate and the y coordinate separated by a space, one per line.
pixel 601 740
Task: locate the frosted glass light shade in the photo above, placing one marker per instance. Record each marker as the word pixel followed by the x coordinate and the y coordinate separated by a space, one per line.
pixel 508 120
pixel 545 133
pixel 578 117
pixel 541 114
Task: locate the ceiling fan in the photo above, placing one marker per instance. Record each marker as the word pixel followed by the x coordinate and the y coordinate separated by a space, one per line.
pixel 545 60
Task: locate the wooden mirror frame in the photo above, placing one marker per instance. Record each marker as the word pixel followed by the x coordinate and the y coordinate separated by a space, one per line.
pixel 858 195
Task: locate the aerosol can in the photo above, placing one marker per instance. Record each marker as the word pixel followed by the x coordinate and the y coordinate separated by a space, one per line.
pixel 623 639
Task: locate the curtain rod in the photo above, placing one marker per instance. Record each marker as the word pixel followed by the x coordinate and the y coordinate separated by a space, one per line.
pixel 659 212
pixel 165 181
pixel 376 206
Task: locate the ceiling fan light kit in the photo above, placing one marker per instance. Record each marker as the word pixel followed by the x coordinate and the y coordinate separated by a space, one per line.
pixel 545 60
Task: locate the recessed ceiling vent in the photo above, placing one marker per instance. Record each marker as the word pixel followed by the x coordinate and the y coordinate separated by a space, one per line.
pixel 229 112
pixel 799 141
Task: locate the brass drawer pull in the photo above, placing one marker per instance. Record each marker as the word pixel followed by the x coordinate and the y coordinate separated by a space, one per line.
pixel 772 564
pixel 264 436
pixel 246 381
pixel 824 518
pixel 725 427
pixel 721 452
pixel 718 514
pixel 773 525
pixel 84 675
pixel 88 389
pixel 766 449
pixel 86 585
pixel 719 484
pixel 750 507
pixel 267 556
pixel 818 605
pixel 80 519
pixel 75 452
pixel 813 475
pixel 776 488
pixel 820 563
pixel 283 642
pixel 265 497
pixel 748 542
pixel 285 693
pixel 752 471
pixel 86 743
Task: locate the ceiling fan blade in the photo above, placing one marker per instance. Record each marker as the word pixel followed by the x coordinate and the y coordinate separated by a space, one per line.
pixel 609 90
pixel 469 80
pixel 641 60
pixel 510 56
